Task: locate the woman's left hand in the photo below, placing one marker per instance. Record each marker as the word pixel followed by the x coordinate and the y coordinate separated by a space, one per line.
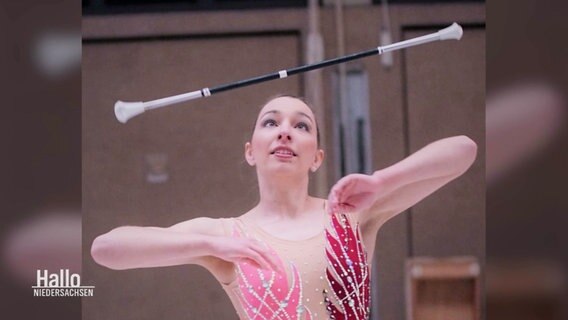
pixel 355 192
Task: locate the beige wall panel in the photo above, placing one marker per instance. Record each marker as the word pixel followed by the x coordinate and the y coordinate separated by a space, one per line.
pixel 446 97
pixel 203 141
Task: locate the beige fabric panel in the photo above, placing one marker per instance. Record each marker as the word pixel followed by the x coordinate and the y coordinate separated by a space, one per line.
pixel 204 143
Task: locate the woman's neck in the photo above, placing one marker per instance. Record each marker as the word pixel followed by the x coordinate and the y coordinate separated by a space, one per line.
pixel 283 197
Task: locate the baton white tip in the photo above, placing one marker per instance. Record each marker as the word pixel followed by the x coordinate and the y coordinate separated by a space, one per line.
pixel 453 32
pixel 126 110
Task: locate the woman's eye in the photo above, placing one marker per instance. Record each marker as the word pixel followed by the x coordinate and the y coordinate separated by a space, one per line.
pixel 269 123
pixel 303 126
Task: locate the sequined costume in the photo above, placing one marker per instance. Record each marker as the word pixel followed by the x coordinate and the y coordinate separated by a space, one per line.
pixel 326 276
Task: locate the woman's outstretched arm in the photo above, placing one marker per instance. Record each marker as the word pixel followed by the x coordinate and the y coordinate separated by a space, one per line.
pixel 387 192
pixel 195 241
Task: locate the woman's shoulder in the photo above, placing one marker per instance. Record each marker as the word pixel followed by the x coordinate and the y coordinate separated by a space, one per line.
pixel 246 217
pixel 204 225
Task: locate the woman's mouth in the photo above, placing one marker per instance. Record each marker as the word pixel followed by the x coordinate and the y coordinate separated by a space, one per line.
pixel 283 152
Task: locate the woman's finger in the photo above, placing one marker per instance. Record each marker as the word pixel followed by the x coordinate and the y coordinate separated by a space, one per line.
pixel 265 253
pixel 259 259
pixel 331 203
pixel 253 263
pixel 343 188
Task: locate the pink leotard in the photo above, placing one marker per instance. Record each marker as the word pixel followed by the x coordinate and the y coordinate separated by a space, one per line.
pixel 325 276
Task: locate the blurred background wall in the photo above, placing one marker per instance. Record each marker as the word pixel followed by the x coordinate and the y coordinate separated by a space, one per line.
pixel 162 167
pixel 40 206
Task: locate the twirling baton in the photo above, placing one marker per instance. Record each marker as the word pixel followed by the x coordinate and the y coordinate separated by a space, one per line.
pixel 126 110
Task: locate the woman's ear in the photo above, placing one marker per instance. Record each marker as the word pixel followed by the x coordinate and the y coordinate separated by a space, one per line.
pixel 318 160
pixel 248 154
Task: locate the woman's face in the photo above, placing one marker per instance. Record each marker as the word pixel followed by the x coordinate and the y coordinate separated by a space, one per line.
pixel 284 138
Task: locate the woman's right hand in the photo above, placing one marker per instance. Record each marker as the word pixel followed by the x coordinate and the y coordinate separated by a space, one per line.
pixel 188 242
pixel 244 250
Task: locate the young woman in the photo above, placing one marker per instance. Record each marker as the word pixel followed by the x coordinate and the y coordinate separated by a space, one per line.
pixel 293 256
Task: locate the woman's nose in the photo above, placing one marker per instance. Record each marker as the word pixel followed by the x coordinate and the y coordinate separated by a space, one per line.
pixel 284 132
